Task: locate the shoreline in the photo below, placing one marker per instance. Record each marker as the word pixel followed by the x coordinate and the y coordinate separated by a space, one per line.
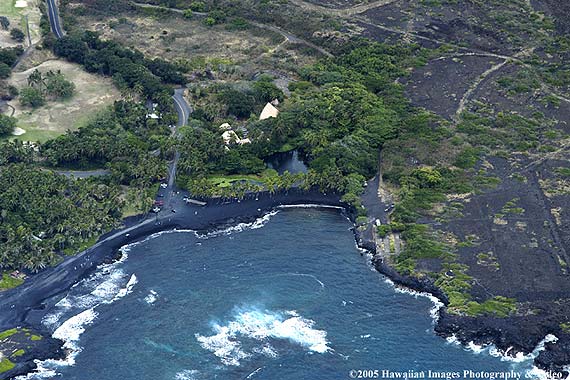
pixel 25 306
pixel 24 299
pixel 27 303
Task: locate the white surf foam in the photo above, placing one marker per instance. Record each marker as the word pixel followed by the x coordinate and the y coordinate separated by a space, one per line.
pixel 151 297
pixel 312 205
pixel 519 356
pixel 101 287
pixel 437 304
pixel 107 285
pixel 128 289
pixel 223 345
pixel 187 374
pixel 69 332
pixel 520 362
pixel 258 223
pixel 261 326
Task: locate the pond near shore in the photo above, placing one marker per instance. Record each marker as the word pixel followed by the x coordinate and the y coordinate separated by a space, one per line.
pixel 286 161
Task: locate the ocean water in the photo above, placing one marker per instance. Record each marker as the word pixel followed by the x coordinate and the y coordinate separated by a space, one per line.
pixel 289 297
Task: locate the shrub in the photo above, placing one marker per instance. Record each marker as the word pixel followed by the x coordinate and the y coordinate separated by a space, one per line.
pixel 32 97
pixel 198 6
pixel 7 124
pixel 17 35
pixel 5 70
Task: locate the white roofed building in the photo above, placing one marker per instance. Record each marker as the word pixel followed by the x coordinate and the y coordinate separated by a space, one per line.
pixel 268 111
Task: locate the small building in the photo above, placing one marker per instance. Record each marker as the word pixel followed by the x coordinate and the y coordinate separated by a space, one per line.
pixel 268 111
pixel 225 127
pixel 229 136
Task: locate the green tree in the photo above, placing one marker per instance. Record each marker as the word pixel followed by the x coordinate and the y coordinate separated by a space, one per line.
pixel 36 79
pixel 32 97
pixel 198 6
pixel 5 70
pixel 239 104
pixel 4 22
pixel 265 90
pixel 210 21
pixel 57 86
pixel 17 35
pixel 7 124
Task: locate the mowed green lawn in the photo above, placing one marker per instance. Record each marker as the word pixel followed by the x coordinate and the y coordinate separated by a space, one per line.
pixel 7 8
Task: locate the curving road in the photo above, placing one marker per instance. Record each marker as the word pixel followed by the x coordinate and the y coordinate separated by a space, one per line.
pixel 182 107
pixel 53 15
pixel 286 35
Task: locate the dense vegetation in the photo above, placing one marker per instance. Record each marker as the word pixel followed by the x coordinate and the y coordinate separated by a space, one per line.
pixel 7 124
pixel 338 117
pixel 130 70
pixel 43 213
pixel 41 87
pixel 8 58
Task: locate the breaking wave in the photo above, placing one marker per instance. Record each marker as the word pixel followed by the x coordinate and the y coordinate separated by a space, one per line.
pixel 437 304
pixel 187 374
pixel 107 285
pixel 520 362
pixel 151 297
pixel 257 326
pixel 258 223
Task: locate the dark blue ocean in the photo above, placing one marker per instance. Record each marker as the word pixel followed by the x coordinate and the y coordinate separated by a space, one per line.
pixel 289 297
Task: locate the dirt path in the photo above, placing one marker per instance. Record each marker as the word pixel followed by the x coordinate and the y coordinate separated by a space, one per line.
pixel 344 12
pixel 286 35
pixel 474 86
pixel 545 204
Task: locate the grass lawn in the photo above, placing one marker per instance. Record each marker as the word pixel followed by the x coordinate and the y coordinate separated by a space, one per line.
pixel 130 210
pixel 227 180
pixel 7 8
pixel 82 247
pixel 33 133
pixel 6 365
pixel 7 333
pixel 20 352
pixel 92 95
pixel 8 282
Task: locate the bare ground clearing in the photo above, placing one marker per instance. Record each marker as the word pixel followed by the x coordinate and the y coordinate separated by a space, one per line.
pixel 92 94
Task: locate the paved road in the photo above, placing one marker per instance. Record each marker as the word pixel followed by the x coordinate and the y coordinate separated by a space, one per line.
pixel 84 173
pixel 184 110
pixel 53 15
pixel 182 107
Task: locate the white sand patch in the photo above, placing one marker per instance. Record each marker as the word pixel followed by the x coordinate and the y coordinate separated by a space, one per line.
pixel 18 131
pixel 21 4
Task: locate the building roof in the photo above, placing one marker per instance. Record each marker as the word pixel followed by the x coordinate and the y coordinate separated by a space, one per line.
pixel 229 136
pixel 268 111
